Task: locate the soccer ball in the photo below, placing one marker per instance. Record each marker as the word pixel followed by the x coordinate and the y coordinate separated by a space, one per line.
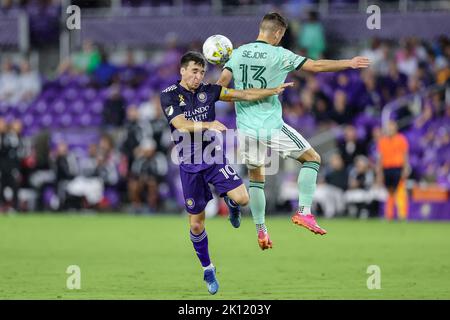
pixel 217 49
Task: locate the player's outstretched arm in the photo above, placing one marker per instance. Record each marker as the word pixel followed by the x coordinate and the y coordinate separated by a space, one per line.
pixel 225 78
pixel 335 65
pixel 183 124
pixel 252 94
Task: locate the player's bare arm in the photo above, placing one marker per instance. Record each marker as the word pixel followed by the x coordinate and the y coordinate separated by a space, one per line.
pixel 183 124
pixel 335 65
pixel 252 94
pixel 225 78
pixel 406 170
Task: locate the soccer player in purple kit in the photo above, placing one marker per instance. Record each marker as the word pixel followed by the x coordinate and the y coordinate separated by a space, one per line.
pixel 189 106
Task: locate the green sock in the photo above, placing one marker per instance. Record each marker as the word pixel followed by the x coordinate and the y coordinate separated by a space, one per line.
pixel 307 179
pixel 257 201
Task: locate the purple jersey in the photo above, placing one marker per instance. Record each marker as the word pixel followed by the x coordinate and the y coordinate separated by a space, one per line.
pixel 195 106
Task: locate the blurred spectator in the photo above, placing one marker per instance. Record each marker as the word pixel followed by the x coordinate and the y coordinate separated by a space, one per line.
pixel 114 108
pixel 350 146
pixel 147 166
pixel 358 196
pixel 130 73
pixel 375 53
pixel 138 132
pixel 104 73
pixel 144 176
pixel 370 98
pixel 84 61
pixel 9 83
pixel 42 176
pixel 86 189
pixel 66 168
pixel 406 59
pixel 108 161
pixel 149 108
pixel 341 113
pixel 29 83
pixel 320 110
pixel 11 154
pixel 393 166
pixel 330 192
pixel 376 134
pixel 395 79
pixel 312 36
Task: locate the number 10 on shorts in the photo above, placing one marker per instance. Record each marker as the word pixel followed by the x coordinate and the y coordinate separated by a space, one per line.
pixel 227 171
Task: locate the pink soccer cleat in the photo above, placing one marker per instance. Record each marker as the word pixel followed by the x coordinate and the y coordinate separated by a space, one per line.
pixel 309 222
pixel 264 240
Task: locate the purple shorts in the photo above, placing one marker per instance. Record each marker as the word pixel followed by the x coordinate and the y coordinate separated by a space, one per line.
pixel 195 185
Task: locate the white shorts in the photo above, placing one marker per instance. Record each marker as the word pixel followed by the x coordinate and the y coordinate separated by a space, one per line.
pixel 286 141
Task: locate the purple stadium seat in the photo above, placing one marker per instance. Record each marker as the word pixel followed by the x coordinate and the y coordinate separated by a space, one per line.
pixel 28 120
pixel 47 120
pixel 41 107
pixel 96 107
pixel 78 107
pixel 65 120
pixel 70 94
pixel 89 94
pixel 84 120
pixel 58 107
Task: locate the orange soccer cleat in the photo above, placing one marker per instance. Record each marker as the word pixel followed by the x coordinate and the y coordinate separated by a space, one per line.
pixel 264 240
pixel 309 222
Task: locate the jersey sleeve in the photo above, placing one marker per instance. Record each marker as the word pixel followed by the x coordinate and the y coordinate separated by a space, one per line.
pixel 291 61
pixel 170 106
pixel 216 90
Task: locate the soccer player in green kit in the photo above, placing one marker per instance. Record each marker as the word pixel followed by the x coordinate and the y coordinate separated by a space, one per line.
pixel 262 64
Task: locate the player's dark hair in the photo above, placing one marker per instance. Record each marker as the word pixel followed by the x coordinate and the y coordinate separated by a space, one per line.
pixel 273 19
pixel 189 56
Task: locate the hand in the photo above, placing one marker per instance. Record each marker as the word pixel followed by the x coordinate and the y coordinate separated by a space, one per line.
pixel 359 62
pixel 217 126
pixel 281 88
pixel 405 173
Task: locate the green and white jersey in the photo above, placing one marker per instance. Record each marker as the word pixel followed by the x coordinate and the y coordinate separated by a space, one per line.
pixel 261 65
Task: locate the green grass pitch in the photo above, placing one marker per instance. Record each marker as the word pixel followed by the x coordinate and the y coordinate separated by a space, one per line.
pixel 151 257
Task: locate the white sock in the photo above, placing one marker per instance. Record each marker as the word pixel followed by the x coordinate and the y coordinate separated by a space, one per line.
pixel 211 266
pixel 303 210
pixel 261 227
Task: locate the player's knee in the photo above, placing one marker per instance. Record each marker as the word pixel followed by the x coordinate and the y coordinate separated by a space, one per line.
pixel 317 157
pixel 311 156
pixel 197 227
pixel 242 199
